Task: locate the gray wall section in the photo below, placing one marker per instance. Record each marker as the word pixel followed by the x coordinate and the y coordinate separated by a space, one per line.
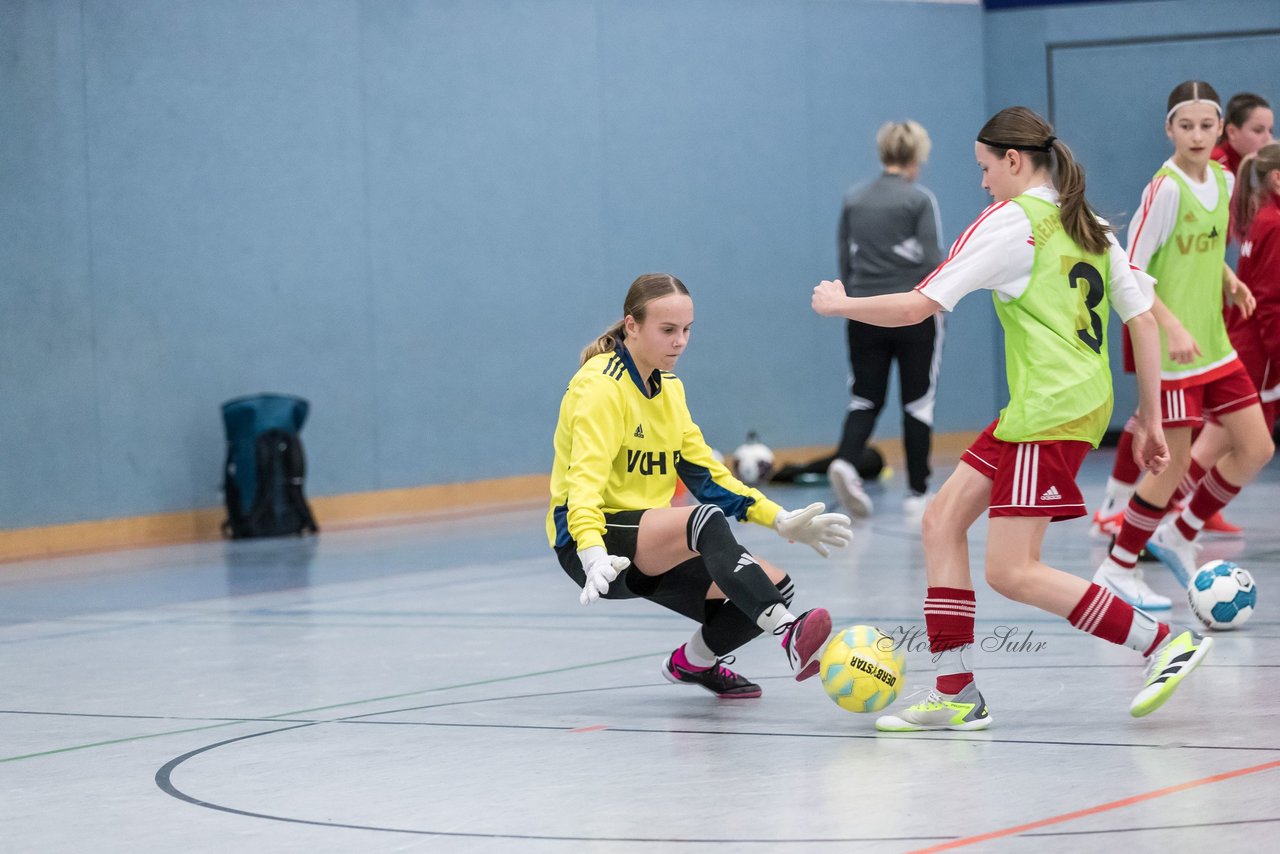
pixel 1105 73
pixel 415 213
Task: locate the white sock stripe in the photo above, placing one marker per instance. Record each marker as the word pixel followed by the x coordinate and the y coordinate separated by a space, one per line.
pixel 1093 617
pixel 1089 611
pixel 959 604
pixel 949 612
pixel 1124 554
pixel 1141 520
pixel 696 530
pixel 1215 488
pixel 700 517
pixel 1191 520
pixel 950 604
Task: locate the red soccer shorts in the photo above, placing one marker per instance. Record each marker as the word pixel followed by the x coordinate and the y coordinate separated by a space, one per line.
pixel 1188 405
pixel 1030 478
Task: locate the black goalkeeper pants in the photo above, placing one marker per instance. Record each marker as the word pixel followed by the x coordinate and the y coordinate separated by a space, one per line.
pixel 872 351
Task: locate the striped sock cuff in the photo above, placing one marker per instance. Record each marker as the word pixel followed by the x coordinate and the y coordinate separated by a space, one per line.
pixel 1213 493
pixel 1140 521
pixel 1088 613
pixel 1104 615
pixel 949 614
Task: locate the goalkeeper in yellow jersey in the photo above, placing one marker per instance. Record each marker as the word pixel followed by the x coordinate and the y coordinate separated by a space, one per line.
pixel 623 438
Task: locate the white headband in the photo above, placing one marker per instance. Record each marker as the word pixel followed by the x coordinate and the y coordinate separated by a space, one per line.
pixel 1181 104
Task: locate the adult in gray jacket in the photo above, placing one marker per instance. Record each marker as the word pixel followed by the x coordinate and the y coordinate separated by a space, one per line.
pixel 889 241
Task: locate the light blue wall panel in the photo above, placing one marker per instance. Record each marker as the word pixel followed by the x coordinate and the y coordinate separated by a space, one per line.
pixel 484 155
pixel 705 120
pixel 228 237
pixel 48 415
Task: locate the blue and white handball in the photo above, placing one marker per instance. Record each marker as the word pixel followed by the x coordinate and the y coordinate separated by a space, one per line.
pixel 1222 595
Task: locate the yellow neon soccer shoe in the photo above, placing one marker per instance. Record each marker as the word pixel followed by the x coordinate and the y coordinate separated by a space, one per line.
pixel 1167 667
pixel 965 711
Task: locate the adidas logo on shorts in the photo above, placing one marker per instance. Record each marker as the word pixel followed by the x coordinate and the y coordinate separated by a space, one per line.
pixel 1051 494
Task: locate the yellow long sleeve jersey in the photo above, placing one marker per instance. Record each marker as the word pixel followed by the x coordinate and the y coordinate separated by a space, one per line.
pixel 621 442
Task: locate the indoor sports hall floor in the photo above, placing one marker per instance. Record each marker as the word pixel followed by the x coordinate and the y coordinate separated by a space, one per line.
pixel 437 687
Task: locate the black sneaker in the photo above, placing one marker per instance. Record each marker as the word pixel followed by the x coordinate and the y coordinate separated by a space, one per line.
pixel 718 679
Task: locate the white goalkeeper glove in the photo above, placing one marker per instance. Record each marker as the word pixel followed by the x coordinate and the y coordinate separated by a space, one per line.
pixel 814 528
pixel 601 569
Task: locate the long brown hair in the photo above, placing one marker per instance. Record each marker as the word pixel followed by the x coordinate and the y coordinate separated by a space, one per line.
pixel 1251 187
pixel 1024 130
pixel 644 290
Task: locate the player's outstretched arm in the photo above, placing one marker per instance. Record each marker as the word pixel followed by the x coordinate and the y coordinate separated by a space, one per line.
pixel 830 300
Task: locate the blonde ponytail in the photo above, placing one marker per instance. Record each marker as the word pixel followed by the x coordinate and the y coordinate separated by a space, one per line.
pixel 605 343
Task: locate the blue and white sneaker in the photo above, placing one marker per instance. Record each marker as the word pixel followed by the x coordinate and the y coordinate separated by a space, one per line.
pixel 1175 551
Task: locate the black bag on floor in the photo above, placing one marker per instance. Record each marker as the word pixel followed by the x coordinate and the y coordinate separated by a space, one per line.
pixel 265 467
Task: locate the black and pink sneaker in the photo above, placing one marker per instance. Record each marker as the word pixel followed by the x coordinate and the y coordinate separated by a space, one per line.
pixel 717 679
pixel 803 639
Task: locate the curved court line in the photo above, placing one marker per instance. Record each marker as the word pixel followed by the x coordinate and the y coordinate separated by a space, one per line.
pixel 164 781
pixel 1100 808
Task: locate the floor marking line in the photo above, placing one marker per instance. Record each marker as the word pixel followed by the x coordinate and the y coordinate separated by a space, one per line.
pixel 1100 808
pixel 294 714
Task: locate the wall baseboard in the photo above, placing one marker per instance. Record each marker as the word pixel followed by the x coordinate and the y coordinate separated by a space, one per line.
pixel 358 509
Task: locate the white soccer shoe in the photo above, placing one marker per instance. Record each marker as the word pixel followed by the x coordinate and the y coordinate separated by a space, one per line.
pixel 1129 586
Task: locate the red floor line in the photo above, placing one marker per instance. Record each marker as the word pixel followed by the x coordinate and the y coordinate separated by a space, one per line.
pixel 1123 802
pixel 594 728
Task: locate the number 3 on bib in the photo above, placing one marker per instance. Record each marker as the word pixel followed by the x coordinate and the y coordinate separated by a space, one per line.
pixel 1088 280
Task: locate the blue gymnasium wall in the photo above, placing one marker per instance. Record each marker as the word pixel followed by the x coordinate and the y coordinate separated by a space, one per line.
pixel 415 213
pixel 1104 72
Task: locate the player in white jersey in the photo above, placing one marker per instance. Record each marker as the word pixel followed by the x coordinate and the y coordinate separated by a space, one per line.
pixel 1052 267
pixel 1180 237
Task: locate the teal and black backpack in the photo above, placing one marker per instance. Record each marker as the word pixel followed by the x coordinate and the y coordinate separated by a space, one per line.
pixel 265 467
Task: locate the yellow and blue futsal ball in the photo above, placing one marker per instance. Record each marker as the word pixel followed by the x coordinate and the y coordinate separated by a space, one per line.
pixel 862 669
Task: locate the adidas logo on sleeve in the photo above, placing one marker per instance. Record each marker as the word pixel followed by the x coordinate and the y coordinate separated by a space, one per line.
pixel 1051 494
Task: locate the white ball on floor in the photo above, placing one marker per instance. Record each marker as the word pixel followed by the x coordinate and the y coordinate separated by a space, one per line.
pixel 752 461
pixel 1222 595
